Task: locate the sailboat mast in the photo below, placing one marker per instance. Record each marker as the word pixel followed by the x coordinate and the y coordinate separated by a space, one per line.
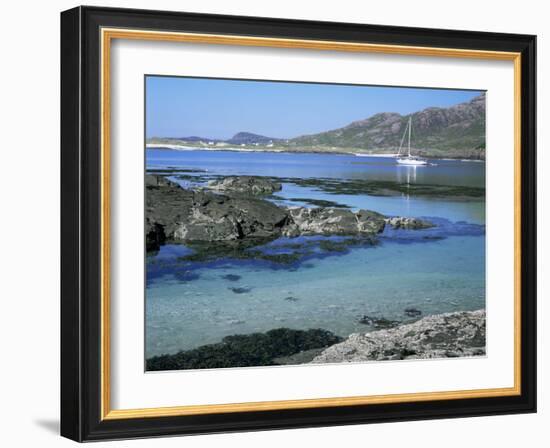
pixel 402 140
pixel 410 125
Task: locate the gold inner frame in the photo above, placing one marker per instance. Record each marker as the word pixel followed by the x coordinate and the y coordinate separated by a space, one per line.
pixel 107 35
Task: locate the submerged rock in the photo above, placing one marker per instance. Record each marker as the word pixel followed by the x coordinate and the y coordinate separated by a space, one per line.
pixel 240 290
pixel 246 350
pixel 378 322
pixel 387 188
pixel 318 202
pixel 186 276
pixel 231 277
pixel 246 249
pixel 254 185
pixel 412 312
pixel 440 336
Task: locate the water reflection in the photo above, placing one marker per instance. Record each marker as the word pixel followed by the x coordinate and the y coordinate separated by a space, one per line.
pixel 407 174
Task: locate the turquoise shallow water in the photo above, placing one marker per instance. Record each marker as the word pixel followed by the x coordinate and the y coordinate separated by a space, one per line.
pixel 197 305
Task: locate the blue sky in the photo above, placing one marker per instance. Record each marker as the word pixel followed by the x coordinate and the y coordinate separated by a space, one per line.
pixel 217 108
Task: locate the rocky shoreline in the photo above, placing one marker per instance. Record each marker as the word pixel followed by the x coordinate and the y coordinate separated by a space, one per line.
pixel 449 335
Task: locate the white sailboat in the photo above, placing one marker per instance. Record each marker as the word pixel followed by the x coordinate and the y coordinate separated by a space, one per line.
pixel 409 159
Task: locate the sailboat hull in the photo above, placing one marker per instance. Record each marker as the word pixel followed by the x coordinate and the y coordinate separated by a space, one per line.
pixel 409 159
pixel 412 162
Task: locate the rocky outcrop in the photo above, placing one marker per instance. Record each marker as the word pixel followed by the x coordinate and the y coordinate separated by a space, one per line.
pixel 188 215
pixel 332 221
pixel 440 336
pixel 252 185
pixel 223 218
pixel 152 180
pixel 176 214
pixel 400 222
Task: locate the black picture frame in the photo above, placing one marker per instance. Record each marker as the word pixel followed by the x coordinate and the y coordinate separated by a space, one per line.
pixel 81 224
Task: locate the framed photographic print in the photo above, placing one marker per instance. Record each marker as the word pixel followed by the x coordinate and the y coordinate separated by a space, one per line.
pixel 276 224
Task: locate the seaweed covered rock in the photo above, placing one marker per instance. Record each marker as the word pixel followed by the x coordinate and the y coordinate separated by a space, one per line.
pixel 254 185
pixel 246 350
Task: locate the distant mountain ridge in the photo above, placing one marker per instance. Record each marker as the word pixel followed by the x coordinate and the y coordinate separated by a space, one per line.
pixel 459 127
pixel 456 131
pixel 245 138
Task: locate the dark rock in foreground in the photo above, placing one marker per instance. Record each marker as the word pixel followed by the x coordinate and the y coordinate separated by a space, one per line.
pixel 254 185
pixel 188 215
pixel 441 336
pixel 256 349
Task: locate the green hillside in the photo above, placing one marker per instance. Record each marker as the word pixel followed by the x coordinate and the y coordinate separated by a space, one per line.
pixel 454 131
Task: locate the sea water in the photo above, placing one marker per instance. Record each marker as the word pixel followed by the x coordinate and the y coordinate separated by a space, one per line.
pixel 434 270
